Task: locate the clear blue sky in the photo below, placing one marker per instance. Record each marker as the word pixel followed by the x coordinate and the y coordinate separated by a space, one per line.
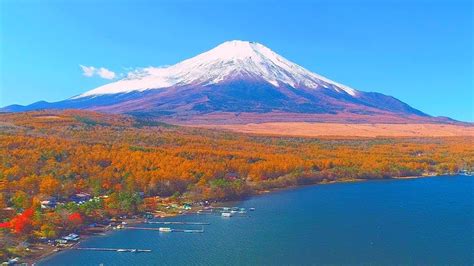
pixel 418 51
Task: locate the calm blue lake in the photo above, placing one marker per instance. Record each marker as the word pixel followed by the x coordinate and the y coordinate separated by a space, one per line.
pixel 416 221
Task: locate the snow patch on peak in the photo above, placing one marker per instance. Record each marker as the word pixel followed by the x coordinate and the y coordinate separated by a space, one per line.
pixel 227 60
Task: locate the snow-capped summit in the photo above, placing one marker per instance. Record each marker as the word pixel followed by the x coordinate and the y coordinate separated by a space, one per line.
pixel 229 60
pixel 235 82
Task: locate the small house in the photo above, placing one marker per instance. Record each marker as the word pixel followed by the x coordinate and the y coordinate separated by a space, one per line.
pixel 80 197
pixel 61 241
pixel 72 237
pixel 7 212
pixel 231 176
pixel 50 202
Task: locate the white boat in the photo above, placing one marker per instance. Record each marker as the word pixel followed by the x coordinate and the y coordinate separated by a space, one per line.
pixel 226 214
pixel 121 250
pixel 164 229
pixel 13 261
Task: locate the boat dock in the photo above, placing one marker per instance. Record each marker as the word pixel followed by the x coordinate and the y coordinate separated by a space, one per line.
pixel 183 223
pixel 188 230
pixel 142 228
pixel 114 249
pixel 170 229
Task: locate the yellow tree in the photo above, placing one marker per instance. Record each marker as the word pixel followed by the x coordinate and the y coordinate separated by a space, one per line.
pixel 49 186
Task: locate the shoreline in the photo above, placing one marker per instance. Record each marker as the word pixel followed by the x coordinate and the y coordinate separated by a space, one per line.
pixel 132 221
pixel 350 180
pixel 50 250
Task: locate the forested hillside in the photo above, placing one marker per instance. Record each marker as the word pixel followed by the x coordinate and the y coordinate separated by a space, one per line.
pixel 126 162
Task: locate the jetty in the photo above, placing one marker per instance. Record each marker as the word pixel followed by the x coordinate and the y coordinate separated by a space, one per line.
pixel 160 229
pixel 181 223
pixel 188 230
pixel 114 249
pixel 219 213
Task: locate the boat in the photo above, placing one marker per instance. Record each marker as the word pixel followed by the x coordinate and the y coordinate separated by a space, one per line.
pixel 72 237
pixel 121 250
pixel 13 261
pixel 252 209
pixel 226 214
pixel 242 212
pixel 164 229
pixel 233 211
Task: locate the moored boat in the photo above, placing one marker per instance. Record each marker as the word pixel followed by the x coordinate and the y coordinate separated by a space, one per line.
pixel 164 229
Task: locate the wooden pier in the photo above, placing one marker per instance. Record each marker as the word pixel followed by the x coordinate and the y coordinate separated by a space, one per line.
pixel 172 229
pixel 142 228
pixel 188 230
pixel 183 223
pixel 114 249
pixel 219 212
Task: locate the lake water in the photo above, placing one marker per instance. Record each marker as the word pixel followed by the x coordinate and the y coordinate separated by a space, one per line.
pixel 416 221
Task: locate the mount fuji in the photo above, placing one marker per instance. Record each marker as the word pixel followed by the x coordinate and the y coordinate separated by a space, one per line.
pixel 237 82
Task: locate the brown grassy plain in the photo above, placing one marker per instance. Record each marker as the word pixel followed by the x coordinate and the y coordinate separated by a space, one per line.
pixel 307 129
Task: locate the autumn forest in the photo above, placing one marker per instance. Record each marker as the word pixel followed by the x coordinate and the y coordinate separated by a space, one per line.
pixel 126 163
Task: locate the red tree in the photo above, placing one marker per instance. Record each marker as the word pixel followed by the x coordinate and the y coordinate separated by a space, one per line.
pixel 21 223
pixel 75 218
pixel 5 225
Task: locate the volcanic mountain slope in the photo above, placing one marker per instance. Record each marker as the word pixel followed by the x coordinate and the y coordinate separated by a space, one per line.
pixel 237 82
